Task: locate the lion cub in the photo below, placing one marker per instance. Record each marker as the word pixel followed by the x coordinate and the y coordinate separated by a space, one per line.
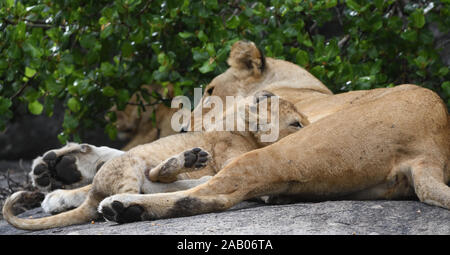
pixel 140 170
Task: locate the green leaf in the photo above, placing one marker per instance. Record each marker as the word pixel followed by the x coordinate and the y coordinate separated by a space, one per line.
pixel 9 3
pixel 73 104
pixel 33 51
pixel 107 69
pixel 52 86
pixel 185 35
pixel 446 87
pixel 35 107
pixel 417 18
pixel 379 4
pixel 29 72
pixel 210 49
pixel 233 22
pixel 304 39
pixel 107 31
pixel 70 122
pixel 123 97
pixel 318 71
pixel 3 64
pixel 162 59
pixel 353 5
pixel 409 35
pixel 49 104
pixel 443 71
pixel 377 25
pixel 202 36
pixel 111 131
pixel 14 52
pixel 31 94
pixel 421 62
pixel 127 49
pixel 109 91
pixel 330 3
pixel 302 58
pixel 207 67
pixel 5 103
pixel 63 138
pixel 88 41
pixel 211 4
pixel 103 21
pixel 20 31
pixel 199 55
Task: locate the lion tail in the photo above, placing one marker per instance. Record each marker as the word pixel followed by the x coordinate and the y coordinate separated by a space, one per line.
pixel 82 214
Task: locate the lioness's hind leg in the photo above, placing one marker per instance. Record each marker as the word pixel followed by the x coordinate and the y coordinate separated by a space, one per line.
pixel 186 161
pixel 430 186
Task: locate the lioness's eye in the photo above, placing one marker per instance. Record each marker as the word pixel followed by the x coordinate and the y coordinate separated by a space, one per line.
pixel 296 124
pixel 210 90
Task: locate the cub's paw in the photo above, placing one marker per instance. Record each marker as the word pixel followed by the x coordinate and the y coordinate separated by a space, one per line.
pixel 54 172
pixel 196 158
pixel 190 160
pixel 62 200
pixel 114 210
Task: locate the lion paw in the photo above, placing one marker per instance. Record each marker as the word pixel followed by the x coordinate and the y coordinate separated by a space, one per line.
pixel 62 200
pixel 54 172
pixel 71 166
pixel 190 160
pixel 195 158
pixel 114 210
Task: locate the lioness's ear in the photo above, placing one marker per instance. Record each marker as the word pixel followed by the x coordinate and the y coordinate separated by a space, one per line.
pixel 245 55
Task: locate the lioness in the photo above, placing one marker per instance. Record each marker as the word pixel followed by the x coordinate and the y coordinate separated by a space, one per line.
pixel 379 144
pixel 376 144
pixel 132 171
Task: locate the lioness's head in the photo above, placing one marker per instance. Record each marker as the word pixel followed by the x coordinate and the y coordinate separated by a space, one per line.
pixel 250 72
pixel 247 65
pixel 269 127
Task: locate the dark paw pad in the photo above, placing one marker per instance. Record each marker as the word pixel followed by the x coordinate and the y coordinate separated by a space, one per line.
pixel 120 214
pixel 56 171
pixel 51 159
pixel 40 169
pixel 43 181
pixel 66 170
pixel 196 158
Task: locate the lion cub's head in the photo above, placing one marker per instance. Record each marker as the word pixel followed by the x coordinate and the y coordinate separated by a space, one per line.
pixel 271 128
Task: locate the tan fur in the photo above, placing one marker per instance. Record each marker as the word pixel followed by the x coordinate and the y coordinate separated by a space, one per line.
pixel 388 143
pixel 127 173
pixel 378 144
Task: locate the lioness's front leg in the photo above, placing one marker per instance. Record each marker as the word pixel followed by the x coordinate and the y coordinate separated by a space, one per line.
pixel 233 184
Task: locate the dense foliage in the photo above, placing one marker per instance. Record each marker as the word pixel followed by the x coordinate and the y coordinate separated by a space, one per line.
pixel 92 54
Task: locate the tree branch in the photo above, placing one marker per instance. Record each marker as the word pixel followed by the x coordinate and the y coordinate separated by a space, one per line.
pixel 18 93
pixel 33 24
